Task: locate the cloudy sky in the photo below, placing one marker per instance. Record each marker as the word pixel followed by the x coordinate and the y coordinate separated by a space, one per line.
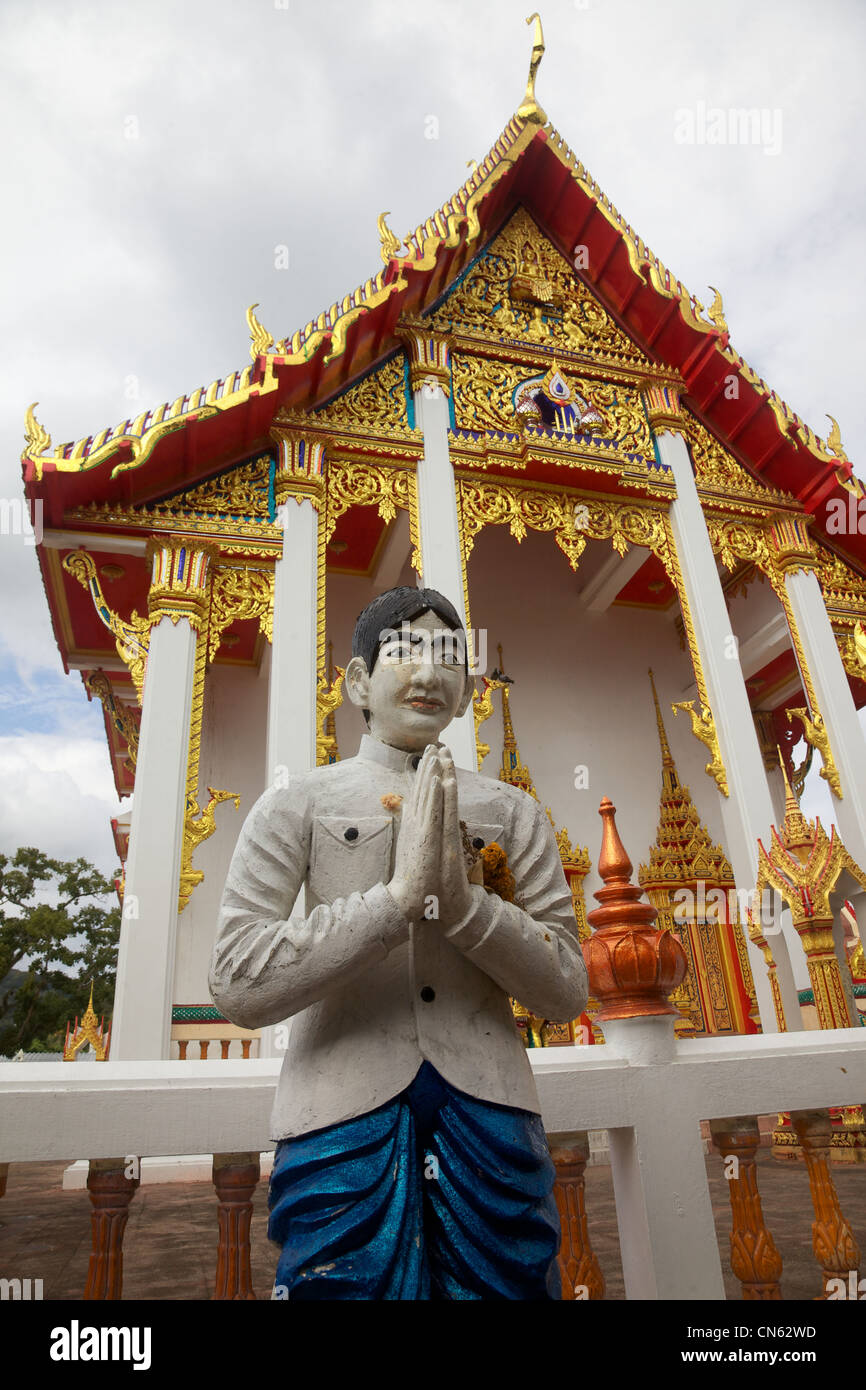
pixel 156 154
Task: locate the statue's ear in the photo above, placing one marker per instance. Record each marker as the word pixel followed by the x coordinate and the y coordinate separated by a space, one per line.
pixel 467 695
pixel 358 682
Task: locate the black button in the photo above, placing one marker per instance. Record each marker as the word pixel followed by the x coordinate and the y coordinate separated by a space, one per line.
pixel 478 843
pixel 351 833
pixel 428 994
pixel 416 760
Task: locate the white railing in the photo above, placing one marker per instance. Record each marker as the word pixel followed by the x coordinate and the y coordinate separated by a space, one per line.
pixel 649 1091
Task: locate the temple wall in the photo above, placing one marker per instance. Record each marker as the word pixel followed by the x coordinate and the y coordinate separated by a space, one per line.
pixel 232 759
pixel 582 695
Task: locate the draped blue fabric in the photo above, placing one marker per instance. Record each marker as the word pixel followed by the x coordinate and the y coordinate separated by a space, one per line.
pixel 435 1195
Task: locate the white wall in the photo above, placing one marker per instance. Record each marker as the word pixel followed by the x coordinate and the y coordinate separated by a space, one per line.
pixel 581 693
pixel 232 759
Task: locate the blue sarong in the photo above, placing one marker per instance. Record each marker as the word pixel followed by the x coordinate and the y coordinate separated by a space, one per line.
pixel 434 1195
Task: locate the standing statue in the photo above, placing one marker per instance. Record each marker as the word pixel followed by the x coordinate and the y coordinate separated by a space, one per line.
pixel 411 1162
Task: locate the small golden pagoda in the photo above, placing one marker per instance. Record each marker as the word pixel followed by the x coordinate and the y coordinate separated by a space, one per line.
pixel 805 865
pixel 689 881
pixel 91 1031
pixel 538 1032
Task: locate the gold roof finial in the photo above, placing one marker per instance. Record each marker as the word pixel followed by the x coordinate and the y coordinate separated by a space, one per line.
pixel 716 312
pixel 36 437
pixel 834 441
pixel 529 109
pixel 260 338
pixel 390 244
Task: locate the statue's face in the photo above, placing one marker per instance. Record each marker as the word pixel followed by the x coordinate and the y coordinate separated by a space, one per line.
pixel 418 685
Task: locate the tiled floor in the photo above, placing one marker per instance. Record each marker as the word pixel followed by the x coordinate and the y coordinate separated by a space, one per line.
pixel 170 1244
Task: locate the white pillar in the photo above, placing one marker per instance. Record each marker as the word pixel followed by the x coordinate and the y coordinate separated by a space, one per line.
pixel 836 703
pixel 439 535
pixel 438 525
pixel 292 710
pixel 292 688
pixel 141 1027
pixel 747 812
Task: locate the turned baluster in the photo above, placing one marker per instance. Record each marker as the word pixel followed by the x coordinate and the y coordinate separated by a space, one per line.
pixel 203 1045
pixel 182 1044
pixel 578 1266
pixel 111 1192
pixel 225 1044
pixel 245 1047
pixel 754 1258
pixel 833 1243
pixel 235 1177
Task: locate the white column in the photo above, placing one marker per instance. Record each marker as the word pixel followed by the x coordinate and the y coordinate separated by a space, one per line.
pixel 747 813
pixel 440 539
pixel 292 688
pixel 291 744
pixel 141 1027
pixel 836 704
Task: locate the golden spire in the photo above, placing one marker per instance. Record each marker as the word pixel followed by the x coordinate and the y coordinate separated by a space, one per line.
pixel 796 834
pixel 683 851
pixel 91 1031
pixel 513 770
pixel 529 110
pixel 669 770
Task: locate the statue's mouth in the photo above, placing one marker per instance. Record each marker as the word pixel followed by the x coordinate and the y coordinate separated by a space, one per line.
pixel 427 706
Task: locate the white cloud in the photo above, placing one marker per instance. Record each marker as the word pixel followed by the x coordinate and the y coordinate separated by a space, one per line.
pixel 57 793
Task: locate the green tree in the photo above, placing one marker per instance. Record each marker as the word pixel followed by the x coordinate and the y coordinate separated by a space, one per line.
pixel 55 924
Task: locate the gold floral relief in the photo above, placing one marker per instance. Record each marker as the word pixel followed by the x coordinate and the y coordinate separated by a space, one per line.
pixel 572 517
pixel 523 289
pixel 376 404
pixel 717 470
pixel 361 484
pixel 240 492
pixel 238 594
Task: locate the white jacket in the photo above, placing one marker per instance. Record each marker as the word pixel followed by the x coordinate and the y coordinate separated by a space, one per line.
pixel 374 993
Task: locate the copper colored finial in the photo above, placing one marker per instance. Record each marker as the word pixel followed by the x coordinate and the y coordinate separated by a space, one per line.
pixel 614 864
pixel 632 966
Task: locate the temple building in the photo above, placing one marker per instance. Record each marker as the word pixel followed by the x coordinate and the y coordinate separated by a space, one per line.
pixel 526 410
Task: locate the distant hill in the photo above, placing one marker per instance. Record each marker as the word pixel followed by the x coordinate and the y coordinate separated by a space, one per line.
pixel 8 985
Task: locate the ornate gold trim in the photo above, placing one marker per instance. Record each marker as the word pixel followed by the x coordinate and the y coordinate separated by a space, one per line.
pixel 132 636
pixel 238 594
pixel 777 547
pixel 124 722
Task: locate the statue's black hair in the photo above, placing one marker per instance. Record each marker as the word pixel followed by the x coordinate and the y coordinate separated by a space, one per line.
pixel 387 611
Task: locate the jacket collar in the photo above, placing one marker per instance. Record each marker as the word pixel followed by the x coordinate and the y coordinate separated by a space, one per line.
pixel 372 750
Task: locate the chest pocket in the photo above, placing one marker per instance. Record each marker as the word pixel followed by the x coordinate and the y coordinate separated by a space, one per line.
pixel 349 854
pixel 487 833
